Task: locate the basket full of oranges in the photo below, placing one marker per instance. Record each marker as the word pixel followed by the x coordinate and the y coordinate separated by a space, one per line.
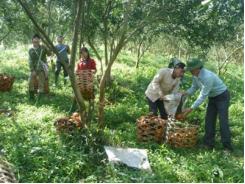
pixel 69 124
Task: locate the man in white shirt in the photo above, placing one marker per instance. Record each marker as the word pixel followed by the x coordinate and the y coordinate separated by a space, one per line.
pixel 165 82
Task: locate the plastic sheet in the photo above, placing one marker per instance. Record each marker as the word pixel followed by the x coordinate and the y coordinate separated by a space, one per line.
pixel 132 157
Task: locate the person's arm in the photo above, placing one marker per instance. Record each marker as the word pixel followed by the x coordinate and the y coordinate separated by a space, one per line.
pixel 207 86
pixel 193 88
pixel 156 82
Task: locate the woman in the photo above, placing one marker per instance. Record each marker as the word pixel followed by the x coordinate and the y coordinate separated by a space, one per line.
pixel 85 68
pixel 86 63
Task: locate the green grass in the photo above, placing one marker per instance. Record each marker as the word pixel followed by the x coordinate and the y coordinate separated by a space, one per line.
pixel 29 141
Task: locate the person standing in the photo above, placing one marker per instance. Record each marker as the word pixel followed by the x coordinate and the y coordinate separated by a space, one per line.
pixel 165 82
pixel 38 67
pixel 86 63
pixel 63 51
pixel 213 88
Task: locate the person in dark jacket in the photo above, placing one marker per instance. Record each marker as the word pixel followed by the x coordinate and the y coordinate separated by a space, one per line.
pixel 63 51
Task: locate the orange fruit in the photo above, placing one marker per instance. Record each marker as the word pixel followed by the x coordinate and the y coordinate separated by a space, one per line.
pixel 180 116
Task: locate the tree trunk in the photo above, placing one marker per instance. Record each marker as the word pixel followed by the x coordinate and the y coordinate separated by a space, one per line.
pixel 49 17
pixel 103 80
pixel 76 90
pixel 138 54
pixel 108 77
pixel 105 42
pixel 137 62
pixel 97 55
pixel 81 43
pixel 102 94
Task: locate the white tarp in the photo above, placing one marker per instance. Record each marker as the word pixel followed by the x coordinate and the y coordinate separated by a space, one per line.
pixel 171 103
pixel 132 157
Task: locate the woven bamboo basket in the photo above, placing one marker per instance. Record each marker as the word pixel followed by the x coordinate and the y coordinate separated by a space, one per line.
pixel 6 82
pixel 46 86
pixel 6 172
pixel 68 124
pixel 183 137
pixel 150 128
pixel 85 81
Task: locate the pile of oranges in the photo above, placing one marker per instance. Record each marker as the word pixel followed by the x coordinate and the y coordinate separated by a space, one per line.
pixel 69 124
pixel 180 117
pixel 6 82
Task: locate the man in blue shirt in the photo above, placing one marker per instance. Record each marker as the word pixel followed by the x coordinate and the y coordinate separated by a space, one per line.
pixel 63 51
pixel 213 88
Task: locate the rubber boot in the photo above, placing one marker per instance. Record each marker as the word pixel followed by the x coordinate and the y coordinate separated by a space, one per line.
pixel 73 107
pixel 31 95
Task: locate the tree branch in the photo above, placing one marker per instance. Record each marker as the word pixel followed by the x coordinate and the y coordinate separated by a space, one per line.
pixel 5 36
pixel 42 32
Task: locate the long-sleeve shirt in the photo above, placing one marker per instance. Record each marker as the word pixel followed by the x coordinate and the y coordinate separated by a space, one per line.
pixel 88 64
pixel 63 51
pixel 34 54
pixel 162 84
pixel 209 84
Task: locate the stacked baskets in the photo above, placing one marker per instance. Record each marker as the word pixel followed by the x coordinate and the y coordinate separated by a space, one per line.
pixel 85 81
pixel 6 82
pixel 153 128
pixel 6 172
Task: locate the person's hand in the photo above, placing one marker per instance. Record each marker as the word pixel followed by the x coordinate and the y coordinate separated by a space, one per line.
pixel 183 93
pixel 187 111
pixel 163 98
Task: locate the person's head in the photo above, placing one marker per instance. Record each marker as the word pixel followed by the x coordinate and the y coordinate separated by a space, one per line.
pixel 36 40
pixel 84 53
pixel 179 70
pixel 194 65
pixel 60 39
pixel 173 62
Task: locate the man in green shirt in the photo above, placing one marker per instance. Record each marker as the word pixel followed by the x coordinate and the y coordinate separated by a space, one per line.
pixel 38 66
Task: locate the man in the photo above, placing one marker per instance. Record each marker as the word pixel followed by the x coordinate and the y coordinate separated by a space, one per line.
pixel 173 62
pixel 38 67
pixel 165 82
pixel 63 51
pixel 213 88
